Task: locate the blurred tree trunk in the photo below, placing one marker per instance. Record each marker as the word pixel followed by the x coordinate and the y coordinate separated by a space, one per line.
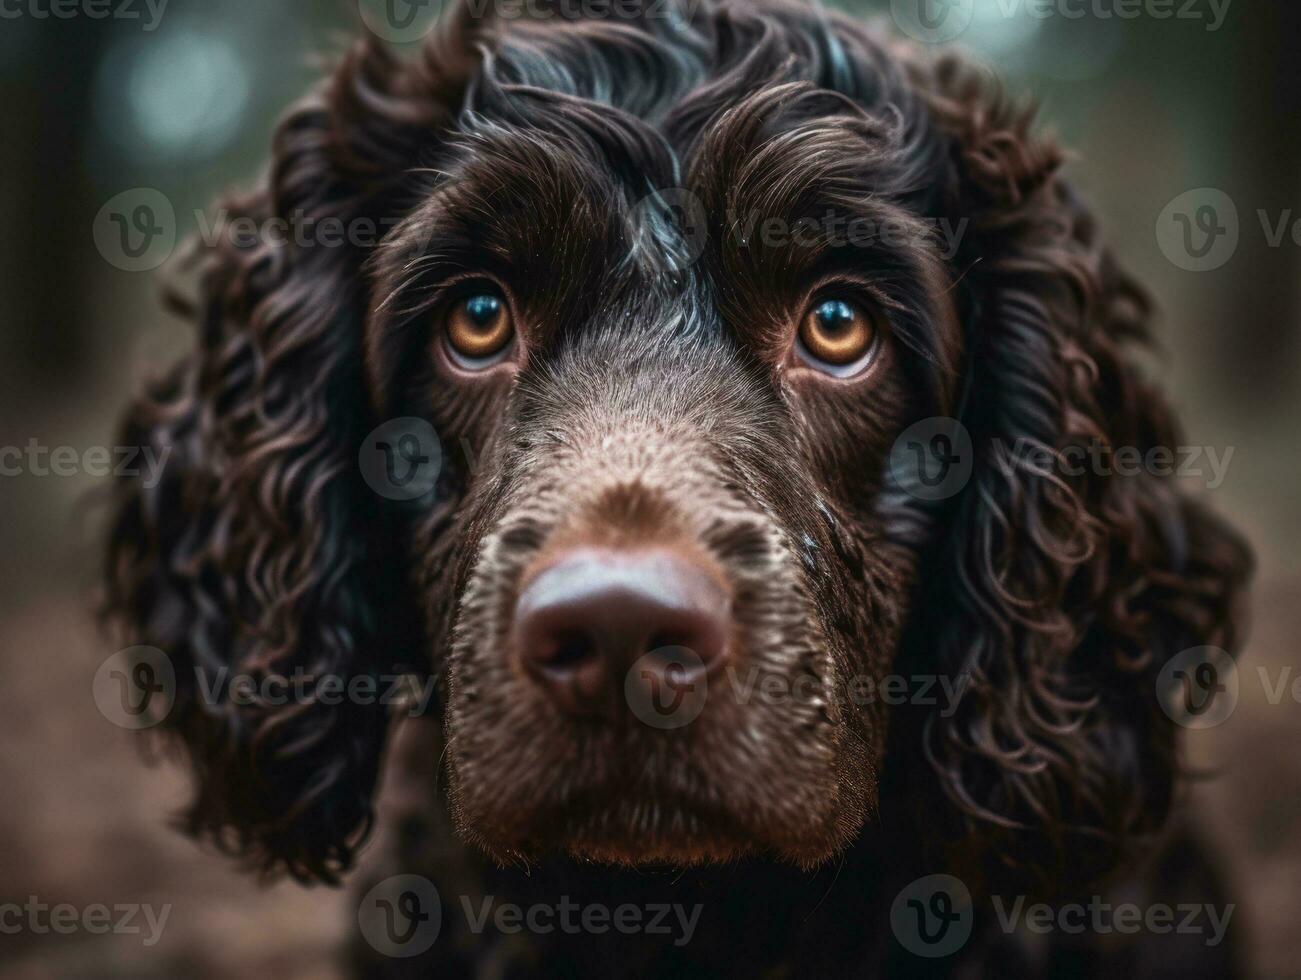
pixel 1262 308
pixel 50 206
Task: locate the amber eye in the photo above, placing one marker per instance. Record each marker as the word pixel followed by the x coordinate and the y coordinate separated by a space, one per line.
pixel 479 328
pixel 836 333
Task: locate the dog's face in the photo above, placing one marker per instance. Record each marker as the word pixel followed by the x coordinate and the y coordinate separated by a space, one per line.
pixel 676 501
pixel 669 293
pixel 681 400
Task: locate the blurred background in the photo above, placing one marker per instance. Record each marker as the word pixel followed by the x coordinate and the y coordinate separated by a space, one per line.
pixel 182 98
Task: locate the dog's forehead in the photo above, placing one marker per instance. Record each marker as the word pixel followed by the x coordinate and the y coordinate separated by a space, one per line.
pixel 585 208
pixel 624 182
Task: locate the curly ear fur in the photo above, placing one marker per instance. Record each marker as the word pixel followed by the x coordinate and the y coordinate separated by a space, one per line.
pixel 256 553
pixel 1062 595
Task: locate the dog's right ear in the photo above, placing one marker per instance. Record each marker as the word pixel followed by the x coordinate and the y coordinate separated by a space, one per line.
pixel 256 553
pixel 1058 589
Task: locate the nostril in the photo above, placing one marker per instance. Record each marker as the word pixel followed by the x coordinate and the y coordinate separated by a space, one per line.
pixel 660 641
pixel 570 649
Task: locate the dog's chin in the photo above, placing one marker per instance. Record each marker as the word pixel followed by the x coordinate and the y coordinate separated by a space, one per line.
pixel 689 853
pixel 667 854
pixel 645 834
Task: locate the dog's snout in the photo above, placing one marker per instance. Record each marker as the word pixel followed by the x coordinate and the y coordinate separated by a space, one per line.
pixel 588 616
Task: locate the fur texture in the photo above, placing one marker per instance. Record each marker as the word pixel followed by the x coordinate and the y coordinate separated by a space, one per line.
pixel 653 399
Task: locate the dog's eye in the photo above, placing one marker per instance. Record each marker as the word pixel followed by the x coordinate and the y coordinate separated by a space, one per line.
pixel 836 335
pixel 479 329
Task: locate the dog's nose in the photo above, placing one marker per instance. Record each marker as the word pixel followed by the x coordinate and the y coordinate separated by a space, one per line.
pixel 586 618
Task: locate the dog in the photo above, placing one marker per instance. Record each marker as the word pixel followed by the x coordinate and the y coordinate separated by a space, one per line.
pixel 743 347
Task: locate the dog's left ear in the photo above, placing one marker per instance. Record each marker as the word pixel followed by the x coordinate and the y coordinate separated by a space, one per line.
pixel 257 556
pixel 1058 588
